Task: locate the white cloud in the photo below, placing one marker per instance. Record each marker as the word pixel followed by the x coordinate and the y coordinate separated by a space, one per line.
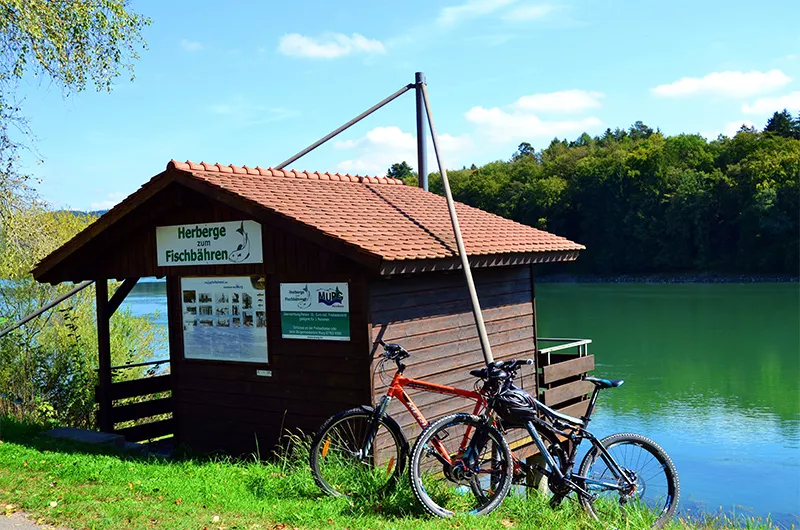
pixel 529 12
pixel 789 101
pixel 381 147
pixel 729 84
pixel 470 9
pixel 503 126
pixel 328 46
pixel 109 202
pixel 563 101
pixel 191 45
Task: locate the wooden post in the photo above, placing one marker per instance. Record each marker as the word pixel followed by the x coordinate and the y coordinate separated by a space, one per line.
pixel 103 397
pixel 120 294
pixel 535 336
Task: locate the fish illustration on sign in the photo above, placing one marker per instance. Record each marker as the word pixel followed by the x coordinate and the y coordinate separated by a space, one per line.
pixel 242 251
pixel 306 301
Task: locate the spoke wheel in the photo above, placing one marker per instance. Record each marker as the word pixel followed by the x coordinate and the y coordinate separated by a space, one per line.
pixel 652 496
pixel 471 484
pixel 341 467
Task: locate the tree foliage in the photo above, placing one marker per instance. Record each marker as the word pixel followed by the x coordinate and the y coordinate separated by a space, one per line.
pixel 70 43
pixel 401 170
pixel 644 202
pixel 48 366
pixel 783 124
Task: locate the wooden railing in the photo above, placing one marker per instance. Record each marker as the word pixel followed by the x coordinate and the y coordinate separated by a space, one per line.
pixel 561 367
pixel 145 403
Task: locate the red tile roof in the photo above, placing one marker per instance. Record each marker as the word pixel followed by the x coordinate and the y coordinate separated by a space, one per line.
pixel 286 173
pixel 379 215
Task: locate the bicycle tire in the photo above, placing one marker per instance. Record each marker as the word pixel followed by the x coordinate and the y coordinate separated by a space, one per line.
pixel 623 447
pixel 423 470
pixel 358 481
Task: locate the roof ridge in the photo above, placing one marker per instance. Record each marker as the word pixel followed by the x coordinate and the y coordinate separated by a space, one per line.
pixel 286 173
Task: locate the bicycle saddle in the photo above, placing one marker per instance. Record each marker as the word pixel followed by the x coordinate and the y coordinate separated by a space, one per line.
pixel 485 373
pixel 604 383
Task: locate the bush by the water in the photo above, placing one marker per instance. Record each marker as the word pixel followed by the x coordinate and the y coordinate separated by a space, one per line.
pixel 48 367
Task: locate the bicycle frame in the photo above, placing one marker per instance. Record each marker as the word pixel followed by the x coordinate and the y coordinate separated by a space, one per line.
pixel 397 391
pixel 577 434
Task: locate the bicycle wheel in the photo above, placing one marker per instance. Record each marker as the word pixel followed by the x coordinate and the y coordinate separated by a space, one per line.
pixel 337 458
pixel 475 482
pixel 654 497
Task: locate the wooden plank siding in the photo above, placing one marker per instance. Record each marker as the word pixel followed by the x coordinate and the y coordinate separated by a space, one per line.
pixel 431 317
pixel 225 405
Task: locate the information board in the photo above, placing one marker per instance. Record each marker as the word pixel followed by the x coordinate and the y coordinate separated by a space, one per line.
pixel 317 311
pixel 209 244
pixel 224 318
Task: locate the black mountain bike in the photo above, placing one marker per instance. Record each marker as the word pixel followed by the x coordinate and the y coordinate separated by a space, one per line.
pixel 462 463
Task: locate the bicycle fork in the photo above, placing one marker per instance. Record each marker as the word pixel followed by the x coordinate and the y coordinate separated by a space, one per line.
pixel 377 415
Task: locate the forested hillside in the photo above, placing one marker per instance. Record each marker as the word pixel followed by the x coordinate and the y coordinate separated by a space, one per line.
pixel 643 202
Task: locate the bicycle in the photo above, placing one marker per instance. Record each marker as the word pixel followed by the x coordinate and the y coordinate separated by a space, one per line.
pixel 345 458
pixel 620 471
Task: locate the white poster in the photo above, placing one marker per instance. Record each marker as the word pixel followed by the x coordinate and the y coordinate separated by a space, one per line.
pixel 317 311
pixel 209 244
pixel 224 319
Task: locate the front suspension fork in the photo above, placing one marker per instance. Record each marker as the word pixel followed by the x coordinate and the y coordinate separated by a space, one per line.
pixel 377 415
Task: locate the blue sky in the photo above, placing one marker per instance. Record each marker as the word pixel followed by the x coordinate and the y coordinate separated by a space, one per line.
pixel 254 82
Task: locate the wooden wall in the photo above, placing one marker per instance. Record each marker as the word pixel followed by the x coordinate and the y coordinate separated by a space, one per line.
pixel 432 318
pixel 225 406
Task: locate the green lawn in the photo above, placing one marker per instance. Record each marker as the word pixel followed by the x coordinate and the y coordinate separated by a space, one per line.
pixel 79 488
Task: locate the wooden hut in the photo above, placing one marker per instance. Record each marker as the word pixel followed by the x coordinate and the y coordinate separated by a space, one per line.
pixel 278 284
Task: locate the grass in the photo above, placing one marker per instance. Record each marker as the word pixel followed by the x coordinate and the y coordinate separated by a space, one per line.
pixel 82 488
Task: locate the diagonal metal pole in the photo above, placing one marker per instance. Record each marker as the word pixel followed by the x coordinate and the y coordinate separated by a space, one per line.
pixel 345 126
pixel 44 308
pixel 473 295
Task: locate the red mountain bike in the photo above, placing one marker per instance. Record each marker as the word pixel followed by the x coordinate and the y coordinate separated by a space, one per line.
pixel 363 450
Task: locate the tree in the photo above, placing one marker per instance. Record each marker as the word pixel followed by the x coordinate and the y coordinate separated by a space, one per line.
pixel 639 130
pixel 524 150
pixel 400 171
pixel 70 43
pixel 50 364
pixel 782 124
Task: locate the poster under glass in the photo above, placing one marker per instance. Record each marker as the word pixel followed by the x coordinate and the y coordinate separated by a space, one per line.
pixel 317 311
pixel 224 318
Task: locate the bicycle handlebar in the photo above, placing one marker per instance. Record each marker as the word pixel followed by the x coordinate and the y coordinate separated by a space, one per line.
pixel 394 352
pixel 501 370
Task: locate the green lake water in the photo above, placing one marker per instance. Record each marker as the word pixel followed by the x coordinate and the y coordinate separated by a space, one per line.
pixel 712 373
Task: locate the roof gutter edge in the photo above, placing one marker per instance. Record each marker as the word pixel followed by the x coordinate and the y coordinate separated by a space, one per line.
pixel 397 267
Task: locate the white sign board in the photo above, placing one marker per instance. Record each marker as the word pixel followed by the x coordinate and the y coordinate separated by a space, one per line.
pixel 224 319
pixel 318 311
pixel 209 244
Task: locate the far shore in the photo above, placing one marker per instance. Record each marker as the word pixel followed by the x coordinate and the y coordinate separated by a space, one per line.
pixel 666 278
